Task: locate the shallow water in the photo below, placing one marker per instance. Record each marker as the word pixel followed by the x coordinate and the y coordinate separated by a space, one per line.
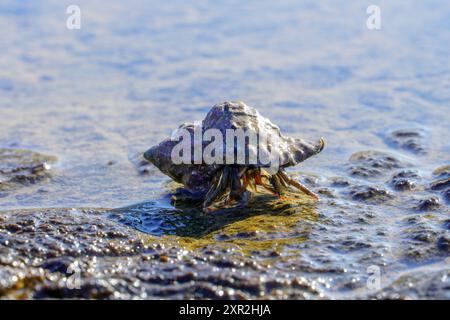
pixel 96 97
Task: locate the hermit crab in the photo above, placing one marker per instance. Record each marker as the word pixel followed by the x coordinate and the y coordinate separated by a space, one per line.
pixel 223 159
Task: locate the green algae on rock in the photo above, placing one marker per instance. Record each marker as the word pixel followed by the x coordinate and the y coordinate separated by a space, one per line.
pixel 257 228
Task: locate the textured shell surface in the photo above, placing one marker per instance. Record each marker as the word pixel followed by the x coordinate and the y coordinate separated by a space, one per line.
pixel 232 115
pixel 271 142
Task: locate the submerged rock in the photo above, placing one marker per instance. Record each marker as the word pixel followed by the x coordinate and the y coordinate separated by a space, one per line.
pixel 287 252
pixel 443 243
pixel 429 204
pixel 23 167
pixel 405 180
pixel 442 172
pixel 370 164
pixel 424 239
pixel 83 253
pixel 440 184
pixel 441 181
pixel 408 139
pixel 418 284
pixel 339 182
pixel 370 194
pixel 274 248
pixel 446 194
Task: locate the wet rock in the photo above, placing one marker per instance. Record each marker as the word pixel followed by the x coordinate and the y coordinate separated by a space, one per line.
pixel 57 265
pixel 352 244
pixel 442 172
pixel 429 204
pixel 446 224
pixel 403 184
pixel 443 243
pixel 446 195
pixel 421 249
pixel 23 167
pixel 311 181
pixel 369 164
pixel 370 194
pixel 57 233
pixel 117 262
pixel 408 139
pixel 339 182
pixel 326 192
pixel 405 180
pixel 441 182
pixel 423 238
pixel 418 284
pixel 261 254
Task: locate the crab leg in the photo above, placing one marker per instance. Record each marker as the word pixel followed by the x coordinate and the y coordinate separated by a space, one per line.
pixel 277 185
pixel 236 187
pixel 283 183
pixel 249 180
pixel 238 191
pixel 218 187
pixel 245 182
pixel 297 184
pixel 258 178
